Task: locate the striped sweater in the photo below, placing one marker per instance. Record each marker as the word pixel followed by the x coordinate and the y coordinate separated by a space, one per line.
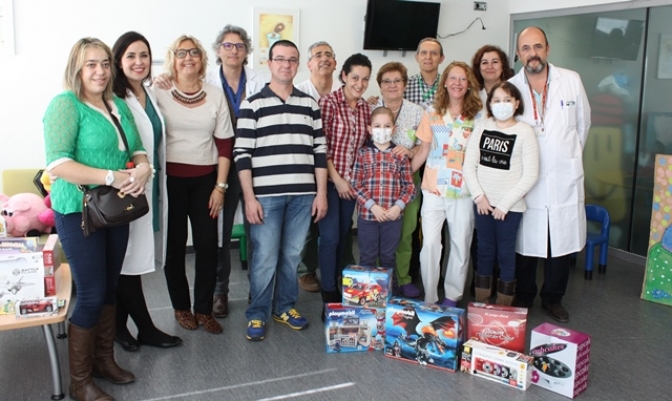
pixel 282 142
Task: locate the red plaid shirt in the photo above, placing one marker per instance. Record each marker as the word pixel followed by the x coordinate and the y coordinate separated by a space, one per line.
pixel 345 130
pixel 381 178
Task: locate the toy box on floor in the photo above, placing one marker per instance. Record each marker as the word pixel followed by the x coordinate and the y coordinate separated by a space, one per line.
pixel 353 328
pixel 561 359
pixel 424 333
pixel 502 326
pixel 367 286
pixel 497 364
pixel 21 273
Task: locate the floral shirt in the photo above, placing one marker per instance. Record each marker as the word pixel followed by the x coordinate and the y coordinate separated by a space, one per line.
pixel 406 124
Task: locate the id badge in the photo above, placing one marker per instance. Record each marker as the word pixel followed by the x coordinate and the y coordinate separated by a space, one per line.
pixel 539 130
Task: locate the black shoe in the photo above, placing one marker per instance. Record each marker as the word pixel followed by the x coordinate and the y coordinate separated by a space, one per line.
pixel 557 312
pixel 171 341
pixel 519 303
pixel 131 345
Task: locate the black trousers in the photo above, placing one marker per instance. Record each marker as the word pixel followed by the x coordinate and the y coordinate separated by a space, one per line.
pixel 556 276
pixel 188 198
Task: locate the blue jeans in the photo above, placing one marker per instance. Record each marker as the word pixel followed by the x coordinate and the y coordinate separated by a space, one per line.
pixel 378 241
pixel 497 239
pixel 277 243
pixel 95 262
pixel 334 228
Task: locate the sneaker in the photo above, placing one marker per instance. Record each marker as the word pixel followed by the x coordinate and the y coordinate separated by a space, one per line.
pixel 293 319
pixel 410 291
pixel 256 330
pixel 449 302
pixel 557 312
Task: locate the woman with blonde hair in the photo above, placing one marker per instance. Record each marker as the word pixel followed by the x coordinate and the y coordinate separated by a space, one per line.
pixel 444 133
pixel 84 132
pixel 199 142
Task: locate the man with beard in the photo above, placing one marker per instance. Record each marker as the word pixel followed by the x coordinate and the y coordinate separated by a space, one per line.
pixel 554 225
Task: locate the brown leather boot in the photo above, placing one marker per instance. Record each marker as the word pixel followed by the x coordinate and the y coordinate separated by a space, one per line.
pixel 104 364
pixel 482 287
pixel 220 306
pixel 80 359
pixel 505 292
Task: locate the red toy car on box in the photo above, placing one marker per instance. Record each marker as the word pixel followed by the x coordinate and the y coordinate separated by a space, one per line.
pixel 501 326
pixel 37 307
pixel 361 293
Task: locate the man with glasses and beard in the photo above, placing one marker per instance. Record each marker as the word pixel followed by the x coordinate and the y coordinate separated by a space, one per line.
pixel 554 225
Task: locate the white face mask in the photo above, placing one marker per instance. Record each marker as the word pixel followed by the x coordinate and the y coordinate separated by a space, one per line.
pixel 502 111
pixel 381 136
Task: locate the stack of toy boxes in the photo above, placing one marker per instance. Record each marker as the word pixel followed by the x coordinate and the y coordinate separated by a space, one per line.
pixel 561 359
pixel 501 326
pixel 367 286
pixel 424 333
pixel 27 270
pixel 497 364
pixel 352 328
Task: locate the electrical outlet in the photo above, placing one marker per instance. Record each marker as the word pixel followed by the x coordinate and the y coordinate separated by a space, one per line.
pixel 480 6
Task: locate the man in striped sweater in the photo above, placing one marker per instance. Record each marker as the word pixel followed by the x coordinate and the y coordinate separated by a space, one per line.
pixel 280 154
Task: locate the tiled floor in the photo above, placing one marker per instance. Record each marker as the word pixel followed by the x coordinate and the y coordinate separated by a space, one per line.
pixel 630 356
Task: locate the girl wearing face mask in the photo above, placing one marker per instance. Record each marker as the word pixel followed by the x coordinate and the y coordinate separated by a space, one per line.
pixel 383 185
pixel 501 165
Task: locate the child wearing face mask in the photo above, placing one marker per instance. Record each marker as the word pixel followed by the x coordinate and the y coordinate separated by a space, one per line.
pixel 501 165
pixel 383 184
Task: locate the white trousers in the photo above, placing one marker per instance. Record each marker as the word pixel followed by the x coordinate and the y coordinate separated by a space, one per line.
pixel 459 214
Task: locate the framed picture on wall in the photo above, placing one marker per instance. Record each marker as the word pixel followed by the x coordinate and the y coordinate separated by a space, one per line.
pixel 7 27
pixel 665 57
pixel 271 25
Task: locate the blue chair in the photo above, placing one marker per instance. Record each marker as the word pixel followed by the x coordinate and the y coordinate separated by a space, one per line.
pixel 600 215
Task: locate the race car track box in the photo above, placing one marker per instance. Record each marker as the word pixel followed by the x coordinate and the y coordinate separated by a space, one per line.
pixel 498 325
pixel 561 359
pixel 367 286
pixel 353 328
pixel 497 364
pixel 424 333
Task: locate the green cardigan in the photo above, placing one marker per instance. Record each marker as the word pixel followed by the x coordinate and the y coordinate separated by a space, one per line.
pixel 75 131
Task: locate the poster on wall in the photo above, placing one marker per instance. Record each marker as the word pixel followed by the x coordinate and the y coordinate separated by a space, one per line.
pixel 665 57
pixel 7 27
pixel 658 275
pixel 271 25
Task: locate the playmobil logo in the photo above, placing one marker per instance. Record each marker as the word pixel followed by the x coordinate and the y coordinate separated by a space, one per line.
pixel 546 349
pixel 342 313
pixel 406 312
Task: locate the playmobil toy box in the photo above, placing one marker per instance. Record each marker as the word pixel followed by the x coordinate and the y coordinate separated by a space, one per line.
pixel 353 328
pixel 496 364
pixel 561 359
pixel 501 326
pixel 367 286
pixel 21 276
pixel 424 333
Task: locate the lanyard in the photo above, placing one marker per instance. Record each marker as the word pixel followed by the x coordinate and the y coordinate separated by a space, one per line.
pixel 237 98
pixel 539 115
pixel 430 92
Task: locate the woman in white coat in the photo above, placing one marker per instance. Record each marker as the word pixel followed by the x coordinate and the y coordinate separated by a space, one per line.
pixel 147 240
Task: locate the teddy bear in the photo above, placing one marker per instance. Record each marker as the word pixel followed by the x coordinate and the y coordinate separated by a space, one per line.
pixel 26 212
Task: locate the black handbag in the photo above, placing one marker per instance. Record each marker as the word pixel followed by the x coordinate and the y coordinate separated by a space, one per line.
pixel 105 206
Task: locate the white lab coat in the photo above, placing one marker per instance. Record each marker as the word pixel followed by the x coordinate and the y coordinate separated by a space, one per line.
pixel 556 204
pixel 146 248
pixel 254 83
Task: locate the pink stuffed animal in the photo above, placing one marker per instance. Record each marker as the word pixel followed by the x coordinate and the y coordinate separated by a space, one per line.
pixel 26 212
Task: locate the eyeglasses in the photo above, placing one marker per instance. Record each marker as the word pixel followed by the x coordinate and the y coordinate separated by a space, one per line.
pixel 291 61
pixel 389 82
pixel 327 55
pixel 182 53
pixel 228 46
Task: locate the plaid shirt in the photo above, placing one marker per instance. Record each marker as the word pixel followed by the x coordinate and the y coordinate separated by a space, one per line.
pixel 418 92
pixel 345 130
pixel 381 178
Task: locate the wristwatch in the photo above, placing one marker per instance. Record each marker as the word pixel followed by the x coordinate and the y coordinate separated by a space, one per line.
pixel 223 185
pixel 109 178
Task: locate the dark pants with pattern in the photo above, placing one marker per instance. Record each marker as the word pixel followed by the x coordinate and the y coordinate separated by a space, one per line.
pixel 189 197
pixel 556 277
pixel 95 262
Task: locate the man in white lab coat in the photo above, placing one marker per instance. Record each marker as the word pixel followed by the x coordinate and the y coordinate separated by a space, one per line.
pixel 554 225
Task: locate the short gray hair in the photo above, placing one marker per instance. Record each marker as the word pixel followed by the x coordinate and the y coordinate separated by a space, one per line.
pixel 238 31
pixel 317 44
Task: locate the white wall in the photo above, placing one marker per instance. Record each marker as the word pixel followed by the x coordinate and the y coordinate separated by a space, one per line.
pixel 524 6
pixel 46 29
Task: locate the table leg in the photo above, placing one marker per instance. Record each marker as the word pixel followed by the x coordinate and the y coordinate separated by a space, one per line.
pixel 55 366
pixel 61 331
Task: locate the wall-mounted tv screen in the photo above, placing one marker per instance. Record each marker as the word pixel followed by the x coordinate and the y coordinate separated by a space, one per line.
pixel 617 38
pixel 398 24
